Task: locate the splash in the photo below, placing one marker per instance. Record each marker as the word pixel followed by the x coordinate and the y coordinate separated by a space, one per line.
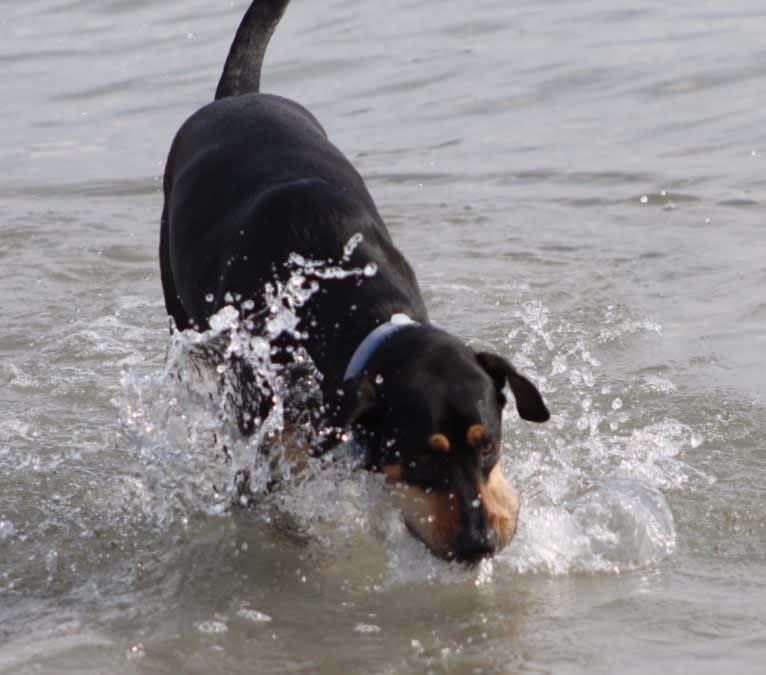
pixel 185 422
pixel 593 481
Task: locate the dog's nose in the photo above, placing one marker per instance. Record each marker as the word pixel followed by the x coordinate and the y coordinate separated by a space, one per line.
pixel 474 545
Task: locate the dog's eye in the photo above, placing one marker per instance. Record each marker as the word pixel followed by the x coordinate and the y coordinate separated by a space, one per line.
pixel 488 448
pixel 489 456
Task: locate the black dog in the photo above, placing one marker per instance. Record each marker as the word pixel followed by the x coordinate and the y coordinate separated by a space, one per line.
pixel 251 179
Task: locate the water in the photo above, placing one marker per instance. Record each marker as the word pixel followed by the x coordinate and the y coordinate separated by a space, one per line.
pixel 578 186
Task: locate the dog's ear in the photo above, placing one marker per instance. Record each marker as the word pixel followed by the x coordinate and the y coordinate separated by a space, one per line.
pixel 360 400
pixel 529 402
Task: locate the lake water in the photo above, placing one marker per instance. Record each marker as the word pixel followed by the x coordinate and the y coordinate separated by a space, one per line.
pixel 579 186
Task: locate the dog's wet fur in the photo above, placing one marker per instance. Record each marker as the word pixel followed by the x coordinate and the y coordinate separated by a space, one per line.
pixel 251 178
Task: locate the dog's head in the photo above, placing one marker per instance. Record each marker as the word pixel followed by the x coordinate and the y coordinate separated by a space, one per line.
pixel 429 411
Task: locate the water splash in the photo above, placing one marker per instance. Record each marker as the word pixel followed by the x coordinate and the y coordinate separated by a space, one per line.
pixel 184 422
pixel 592 480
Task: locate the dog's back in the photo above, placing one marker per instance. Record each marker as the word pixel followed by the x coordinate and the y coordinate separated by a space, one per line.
pixel 248 179
pixel 252 178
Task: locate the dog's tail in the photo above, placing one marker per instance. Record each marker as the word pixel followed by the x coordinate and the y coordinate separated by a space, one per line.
pixel 242 71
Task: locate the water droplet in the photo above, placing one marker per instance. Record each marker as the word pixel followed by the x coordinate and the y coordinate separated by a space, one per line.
pixel 254 615
pixel 351 245
pixel 212 627
pixel 136 651
pixel 644 199
pixel 617 404
pixel 7 529
pixel 209 297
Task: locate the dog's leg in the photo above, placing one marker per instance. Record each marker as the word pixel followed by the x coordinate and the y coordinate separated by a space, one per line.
pixel 172 301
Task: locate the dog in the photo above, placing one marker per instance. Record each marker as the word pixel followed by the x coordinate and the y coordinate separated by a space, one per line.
pixel 251 180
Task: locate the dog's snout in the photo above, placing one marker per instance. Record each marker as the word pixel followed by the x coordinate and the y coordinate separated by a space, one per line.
pixel 475 544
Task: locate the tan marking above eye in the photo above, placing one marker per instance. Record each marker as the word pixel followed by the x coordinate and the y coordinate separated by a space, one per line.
pixel 439 442
pixel 476 435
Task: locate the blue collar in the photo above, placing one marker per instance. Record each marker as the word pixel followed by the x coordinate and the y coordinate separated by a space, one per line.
pixel 373 341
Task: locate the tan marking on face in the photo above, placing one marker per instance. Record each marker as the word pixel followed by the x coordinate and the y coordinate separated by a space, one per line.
pixel 392 472
pixel 439 442
pixel 476 435
pixel 501 502
pixel 434 517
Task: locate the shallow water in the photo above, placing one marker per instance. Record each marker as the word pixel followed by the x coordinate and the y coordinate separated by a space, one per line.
pixel 579 187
